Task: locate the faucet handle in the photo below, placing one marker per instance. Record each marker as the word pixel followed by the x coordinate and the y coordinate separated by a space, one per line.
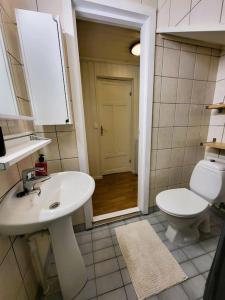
pixel 26 172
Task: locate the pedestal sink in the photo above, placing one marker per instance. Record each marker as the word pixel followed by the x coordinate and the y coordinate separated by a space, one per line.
pixel 60 196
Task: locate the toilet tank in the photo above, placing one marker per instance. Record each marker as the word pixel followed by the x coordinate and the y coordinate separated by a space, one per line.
pixel 208 180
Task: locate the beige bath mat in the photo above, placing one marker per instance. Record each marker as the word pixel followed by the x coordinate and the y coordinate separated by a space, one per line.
pixel 151 266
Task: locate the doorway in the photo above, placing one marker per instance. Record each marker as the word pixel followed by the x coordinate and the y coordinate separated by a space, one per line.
pixel 140 17
pixel 110 84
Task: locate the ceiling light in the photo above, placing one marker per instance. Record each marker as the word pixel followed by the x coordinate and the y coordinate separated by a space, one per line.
pixel 136 49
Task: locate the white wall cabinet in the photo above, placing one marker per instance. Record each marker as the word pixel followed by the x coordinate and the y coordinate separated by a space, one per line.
pixel 42 50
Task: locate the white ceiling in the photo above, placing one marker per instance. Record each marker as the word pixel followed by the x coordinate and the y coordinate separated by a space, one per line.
pixel 106 42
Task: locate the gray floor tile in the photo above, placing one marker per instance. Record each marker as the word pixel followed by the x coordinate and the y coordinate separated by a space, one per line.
pixel 161 218
pixel 101 234
pixel 189 269
pixel 121 262
pixel 104 254
pixel 106 267
pixel 118 294
pixel 114 239
pixel 132 220
pixel 116 224
pixel 210 244
pixel 158 227
pixel 108 283
pixel 194 287
pixel 212 254
pixel 205 275
pixel 88 292
pixel 179 255
pixel 173 293
pixel 90 272
pixel 86 248
pixel 203 263
pixel 162 236
pixel 193 250
pixel 102 243
pixel 125 276
pixel 170 246
pixel 56 296
pixel 84 237
pixel 131 295
pixel 117 250
pixel 88 259
pixel 152 220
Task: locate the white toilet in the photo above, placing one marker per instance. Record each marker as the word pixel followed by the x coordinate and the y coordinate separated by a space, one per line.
pixel 187 210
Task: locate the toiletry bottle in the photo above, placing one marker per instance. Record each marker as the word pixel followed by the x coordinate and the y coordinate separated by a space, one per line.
pixel 2 144
pixel 41 163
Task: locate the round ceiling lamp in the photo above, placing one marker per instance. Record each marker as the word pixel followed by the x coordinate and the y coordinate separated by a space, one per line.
pixel 136 49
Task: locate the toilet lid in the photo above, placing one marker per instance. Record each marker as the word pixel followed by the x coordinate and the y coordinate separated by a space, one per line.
pixel 181 202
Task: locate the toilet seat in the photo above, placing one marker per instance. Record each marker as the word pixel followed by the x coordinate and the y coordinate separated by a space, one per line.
pixel 181 203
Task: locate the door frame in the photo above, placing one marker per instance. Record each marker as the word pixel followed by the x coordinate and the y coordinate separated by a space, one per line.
pixel 97 79
pixel 130 15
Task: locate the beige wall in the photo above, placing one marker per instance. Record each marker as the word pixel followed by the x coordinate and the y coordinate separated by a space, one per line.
pixel 190 12
pixel 185 78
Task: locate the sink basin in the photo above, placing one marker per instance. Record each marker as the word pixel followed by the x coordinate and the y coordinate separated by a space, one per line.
pixel 60 196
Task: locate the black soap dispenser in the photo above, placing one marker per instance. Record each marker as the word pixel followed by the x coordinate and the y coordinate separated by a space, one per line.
pixel 2 144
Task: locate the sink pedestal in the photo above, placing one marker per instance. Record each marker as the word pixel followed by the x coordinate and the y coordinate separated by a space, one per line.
pixel 69 262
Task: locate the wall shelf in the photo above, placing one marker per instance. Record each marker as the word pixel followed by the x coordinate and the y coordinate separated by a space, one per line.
pixel 17 148
pixel 215 145
pixel 216 106
pixel 16 117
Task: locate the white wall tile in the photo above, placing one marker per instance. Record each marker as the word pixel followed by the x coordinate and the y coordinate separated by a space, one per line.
pixel 187 65
pixel 181 114
pixel 193 136
pixel 184 90
pixel 179 137
pixel 177 157
pixel 199 92
pixel 162 177
pixel 214 64
pixel 165 137
pixel 163 159
pixel 167 112
pixel 202 67
pixel 169 90
pixel 157 88
pixel 163 13
pixel 195 115
pixel 170 62
pixel 158 60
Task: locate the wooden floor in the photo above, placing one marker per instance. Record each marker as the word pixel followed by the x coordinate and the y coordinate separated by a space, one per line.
pixel 115 192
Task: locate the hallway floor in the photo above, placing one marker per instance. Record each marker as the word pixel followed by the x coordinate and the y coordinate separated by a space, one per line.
pixel 109 279
pixel 115 192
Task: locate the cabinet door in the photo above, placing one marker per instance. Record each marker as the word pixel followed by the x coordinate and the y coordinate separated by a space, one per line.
pixel 43 57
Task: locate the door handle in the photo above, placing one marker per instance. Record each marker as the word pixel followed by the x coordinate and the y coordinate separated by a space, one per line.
pixel 101 129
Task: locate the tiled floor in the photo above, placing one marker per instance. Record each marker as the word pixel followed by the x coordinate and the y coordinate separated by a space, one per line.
pixel 108 277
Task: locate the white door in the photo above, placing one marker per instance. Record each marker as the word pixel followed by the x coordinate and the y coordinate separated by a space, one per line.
pixel 114 107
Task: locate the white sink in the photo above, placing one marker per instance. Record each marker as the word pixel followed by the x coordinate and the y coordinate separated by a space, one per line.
pixel 60 196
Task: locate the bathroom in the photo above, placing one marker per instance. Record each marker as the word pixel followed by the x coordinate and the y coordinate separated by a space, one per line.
pixel 182 71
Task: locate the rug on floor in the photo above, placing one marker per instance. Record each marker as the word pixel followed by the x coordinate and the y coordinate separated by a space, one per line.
pixel 151 266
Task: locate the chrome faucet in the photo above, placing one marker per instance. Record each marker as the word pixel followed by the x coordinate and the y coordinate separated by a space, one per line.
pixel 30 179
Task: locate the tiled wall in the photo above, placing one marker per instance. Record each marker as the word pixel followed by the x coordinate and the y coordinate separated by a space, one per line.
pixel 17 279
pixel 217 120
pixel 190 12
pixel 185 78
